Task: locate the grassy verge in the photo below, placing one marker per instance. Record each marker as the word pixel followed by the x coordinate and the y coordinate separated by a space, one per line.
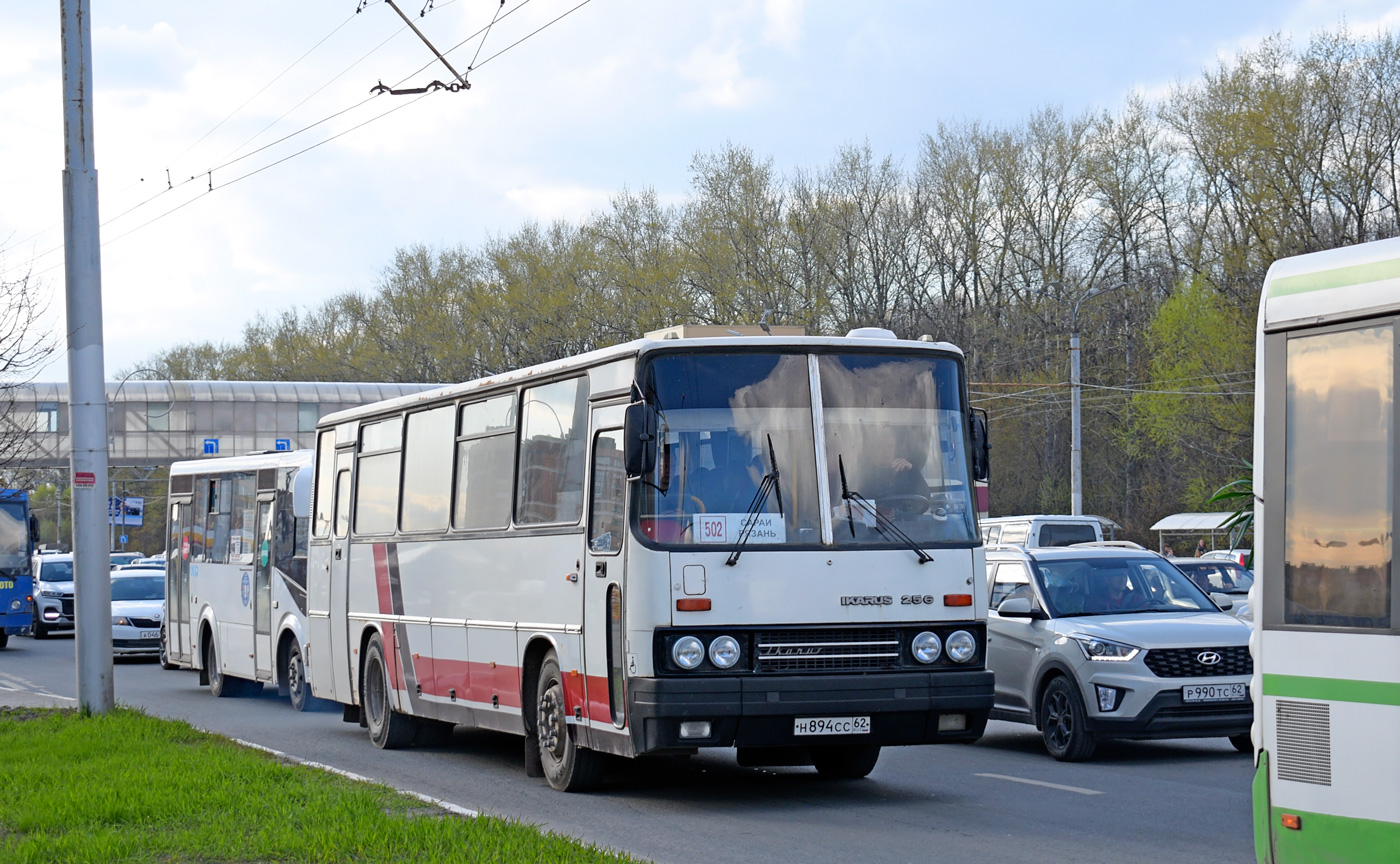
pixel 128 787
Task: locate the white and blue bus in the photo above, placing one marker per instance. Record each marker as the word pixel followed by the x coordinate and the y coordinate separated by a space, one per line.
pixel 1326 682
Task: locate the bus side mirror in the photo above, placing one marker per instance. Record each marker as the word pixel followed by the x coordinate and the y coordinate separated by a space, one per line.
pixel 639 440
pixel 33 528
pixel 981 445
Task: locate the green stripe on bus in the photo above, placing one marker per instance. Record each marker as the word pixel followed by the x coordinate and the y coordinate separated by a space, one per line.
pixel 1323 280
pixel 1324 838
pixel 1332 689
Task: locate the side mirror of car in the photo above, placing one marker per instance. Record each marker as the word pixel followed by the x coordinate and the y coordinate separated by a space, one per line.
pixel 33 528
pixel 1222 600
pixel 1020 607
pixel 981 445
pixel 639 439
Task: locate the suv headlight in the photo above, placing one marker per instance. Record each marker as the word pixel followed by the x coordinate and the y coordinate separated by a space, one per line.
pixel 1095 648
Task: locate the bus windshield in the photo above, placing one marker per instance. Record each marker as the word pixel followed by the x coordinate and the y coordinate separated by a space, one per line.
pixel 894 426
pixel 893 422
pixel 14 539
pixel 726 421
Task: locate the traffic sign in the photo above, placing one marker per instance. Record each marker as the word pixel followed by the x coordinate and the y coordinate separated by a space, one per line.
pixel 123 539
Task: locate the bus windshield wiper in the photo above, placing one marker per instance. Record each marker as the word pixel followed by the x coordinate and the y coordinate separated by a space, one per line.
pixel 883 524
pixel 769 483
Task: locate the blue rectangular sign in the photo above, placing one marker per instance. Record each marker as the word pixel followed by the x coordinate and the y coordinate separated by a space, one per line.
pixel 284 444
pixel 211 446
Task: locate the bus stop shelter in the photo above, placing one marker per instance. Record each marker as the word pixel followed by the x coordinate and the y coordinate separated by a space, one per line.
pixel 1193 525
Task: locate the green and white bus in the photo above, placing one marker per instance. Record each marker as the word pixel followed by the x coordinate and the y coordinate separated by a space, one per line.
pixel 1326 682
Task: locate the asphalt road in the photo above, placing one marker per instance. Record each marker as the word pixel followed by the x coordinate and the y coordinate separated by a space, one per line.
pixel 1000 800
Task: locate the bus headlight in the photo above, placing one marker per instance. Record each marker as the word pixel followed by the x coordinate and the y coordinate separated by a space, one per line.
pixel 688 652
pixel 961 646
pixel 926 647
pixel 14 605
pixel 724 652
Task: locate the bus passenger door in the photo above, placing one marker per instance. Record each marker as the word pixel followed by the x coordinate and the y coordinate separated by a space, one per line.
pixel 341 654
pixel 262 588
pixel 603 575
pixel 177 584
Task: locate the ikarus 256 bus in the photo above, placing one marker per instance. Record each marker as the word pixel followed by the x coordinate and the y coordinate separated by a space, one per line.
pixel 691 540
pixel 1327 640
pixel 236 572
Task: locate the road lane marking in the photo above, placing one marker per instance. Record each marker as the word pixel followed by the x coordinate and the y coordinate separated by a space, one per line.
pixel 1063 788
pixel 360 778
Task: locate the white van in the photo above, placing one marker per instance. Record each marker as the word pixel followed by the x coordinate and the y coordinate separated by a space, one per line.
pixel 1036 531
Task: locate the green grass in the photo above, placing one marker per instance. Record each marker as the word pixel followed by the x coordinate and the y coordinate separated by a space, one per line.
pixel 129 787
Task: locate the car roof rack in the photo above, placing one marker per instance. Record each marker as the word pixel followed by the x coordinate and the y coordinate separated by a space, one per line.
pixel 1110 544
pixel 1007 547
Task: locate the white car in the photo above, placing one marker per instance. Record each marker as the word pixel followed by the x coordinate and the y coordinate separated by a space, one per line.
pixel 138 601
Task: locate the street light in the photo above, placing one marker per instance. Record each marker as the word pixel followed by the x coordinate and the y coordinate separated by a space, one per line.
pixel 1076 458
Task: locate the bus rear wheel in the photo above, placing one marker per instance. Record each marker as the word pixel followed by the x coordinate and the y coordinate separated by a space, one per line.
pixel 388 729
pixel 567 767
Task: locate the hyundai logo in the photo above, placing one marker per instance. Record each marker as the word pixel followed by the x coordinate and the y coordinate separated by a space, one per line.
pixel 1208 658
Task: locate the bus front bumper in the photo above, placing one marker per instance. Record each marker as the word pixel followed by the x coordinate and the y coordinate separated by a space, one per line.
pixel 763 711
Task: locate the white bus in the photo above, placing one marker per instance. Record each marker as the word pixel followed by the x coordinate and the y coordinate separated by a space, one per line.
pixel 765 542
pixel 236 572
pixel 1326 680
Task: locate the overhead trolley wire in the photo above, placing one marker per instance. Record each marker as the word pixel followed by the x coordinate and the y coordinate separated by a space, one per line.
pixel 208 173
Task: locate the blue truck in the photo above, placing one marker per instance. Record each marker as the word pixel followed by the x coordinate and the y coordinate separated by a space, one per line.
pixel 19 530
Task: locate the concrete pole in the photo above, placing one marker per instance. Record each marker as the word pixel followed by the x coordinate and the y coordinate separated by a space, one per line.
pixel 86 388
pixel 1076 463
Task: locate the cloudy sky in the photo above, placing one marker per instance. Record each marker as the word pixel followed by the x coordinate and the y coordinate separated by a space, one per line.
pixel 617 93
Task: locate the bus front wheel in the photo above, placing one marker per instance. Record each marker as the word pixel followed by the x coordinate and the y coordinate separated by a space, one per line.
pixel 567 767
pixel 388 729
pixel 1243 742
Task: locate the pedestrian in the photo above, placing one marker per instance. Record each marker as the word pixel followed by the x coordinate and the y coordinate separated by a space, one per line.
pixel 1200 547
pixel 1169 552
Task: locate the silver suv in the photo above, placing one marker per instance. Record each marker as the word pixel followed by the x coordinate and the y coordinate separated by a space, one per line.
pixel 53 594
pixel 1098 641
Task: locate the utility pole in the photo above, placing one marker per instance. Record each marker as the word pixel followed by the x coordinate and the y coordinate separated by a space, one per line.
pixel 86 375
pixel 1076 453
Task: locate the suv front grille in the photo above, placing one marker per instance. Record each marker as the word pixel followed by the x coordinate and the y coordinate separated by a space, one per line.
pixel 812 650
pixel 67 604
pixel 1186 663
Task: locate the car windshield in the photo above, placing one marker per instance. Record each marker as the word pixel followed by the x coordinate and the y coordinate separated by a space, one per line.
pixel 14 538
pixel 56 571
pixel 1118 586
pixel 138 588
pixel 1227 578
pixel 726 421
pixel 895 426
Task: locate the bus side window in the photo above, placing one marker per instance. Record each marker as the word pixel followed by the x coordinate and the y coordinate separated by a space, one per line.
pixel 325 472
pixel 606 513
pixel 553 441
pixel 342 504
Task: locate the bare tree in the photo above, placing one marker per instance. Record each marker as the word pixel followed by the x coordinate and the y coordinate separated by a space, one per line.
pixel 24 350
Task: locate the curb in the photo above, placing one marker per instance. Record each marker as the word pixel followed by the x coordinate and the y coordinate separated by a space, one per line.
pixel 455 809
